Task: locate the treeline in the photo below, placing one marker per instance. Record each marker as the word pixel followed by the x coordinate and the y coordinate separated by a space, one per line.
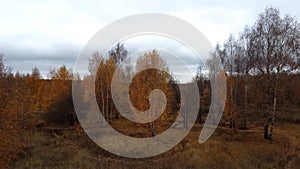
pixel 28 101
pixel 139 85
pixel 262 67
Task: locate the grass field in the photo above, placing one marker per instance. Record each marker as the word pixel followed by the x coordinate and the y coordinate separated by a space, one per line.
pixel 62 147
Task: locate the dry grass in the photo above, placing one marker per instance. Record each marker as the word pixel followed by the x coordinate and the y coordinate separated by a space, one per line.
pixel 225 149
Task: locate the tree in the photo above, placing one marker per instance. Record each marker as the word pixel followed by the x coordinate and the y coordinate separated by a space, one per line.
pixel 228 56
pixel 61 74
pixel 153 74
pixel 204 91
pixel 119 53
pixel 276 51
pixel 94 63
pixel 2 68
pixel 3 85
pixel 103 69
pixel 110 68
pixel 10 145
pixel 59 107
pixel 244 64
pixel 267 52
pixel 6 83
pixel 28 88
pixel 96 69
pixel 35 73
pixel 103 78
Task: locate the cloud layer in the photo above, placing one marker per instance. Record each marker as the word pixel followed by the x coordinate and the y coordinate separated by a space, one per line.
pixel 52 33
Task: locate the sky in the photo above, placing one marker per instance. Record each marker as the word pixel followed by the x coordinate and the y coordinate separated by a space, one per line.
pixel 47 34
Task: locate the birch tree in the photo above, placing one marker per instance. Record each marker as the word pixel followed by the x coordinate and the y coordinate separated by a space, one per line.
pixel 276 50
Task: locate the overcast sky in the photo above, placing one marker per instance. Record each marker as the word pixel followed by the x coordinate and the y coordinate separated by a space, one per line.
pixel 51 33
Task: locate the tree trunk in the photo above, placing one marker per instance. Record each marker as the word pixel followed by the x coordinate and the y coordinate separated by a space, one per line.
pixel 200 118
pixel 111 106
pixel 71 119
pixel 235 107
pixel 274 107
pixel 230 105
pixel 117 115
pixel 107 108
pixel 267 114
pixel 266 129
pixel 152 129
pixel 244 118
pixel 185 125
pixel 231 124
pixel 266 126
pixel 102 97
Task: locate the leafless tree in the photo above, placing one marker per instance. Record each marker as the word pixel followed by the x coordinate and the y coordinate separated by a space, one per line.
pixel 276 43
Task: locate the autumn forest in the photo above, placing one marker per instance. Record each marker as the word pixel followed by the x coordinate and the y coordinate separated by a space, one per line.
pixel 259 127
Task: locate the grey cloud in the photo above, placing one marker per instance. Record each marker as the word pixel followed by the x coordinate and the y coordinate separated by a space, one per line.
pixel 24 60
pixel 53 47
